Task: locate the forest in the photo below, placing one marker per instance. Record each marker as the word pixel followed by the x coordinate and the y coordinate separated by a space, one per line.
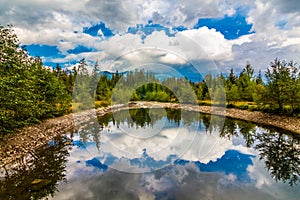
pixel 277 91
pixel 31 92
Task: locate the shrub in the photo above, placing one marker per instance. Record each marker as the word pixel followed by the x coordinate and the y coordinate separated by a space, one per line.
pixel 244 107
pixel 253 108
pixel 99 104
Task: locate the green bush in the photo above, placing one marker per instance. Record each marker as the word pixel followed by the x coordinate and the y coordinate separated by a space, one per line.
pixel 288 110
pixel 99 104
pixel 244 107
pixel 253 108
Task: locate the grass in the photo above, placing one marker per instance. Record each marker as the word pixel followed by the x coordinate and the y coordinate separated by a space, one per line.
pixel 102 103
pixel 98 104
pixel 204 102
pixel 74 106
pixel 243 105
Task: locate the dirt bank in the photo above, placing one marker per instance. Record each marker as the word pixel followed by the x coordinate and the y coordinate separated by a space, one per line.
pixel 16 147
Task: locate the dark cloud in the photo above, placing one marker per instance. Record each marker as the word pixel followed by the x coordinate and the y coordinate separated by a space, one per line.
pixel 289 6
pixel 22 15
pixel 116 14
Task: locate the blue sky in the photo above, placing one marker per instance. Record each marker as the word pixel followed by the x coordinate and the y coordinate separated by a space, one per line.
pixel 214 35
pixel 232 27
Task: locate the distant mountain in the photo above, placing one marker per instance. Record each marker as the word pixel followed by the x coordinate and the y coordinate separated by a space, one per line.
pixel 194 77
pixel 110 74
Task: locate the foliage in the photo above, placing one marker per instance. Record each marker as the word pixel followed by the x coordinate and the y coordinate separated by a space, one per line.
pixel 281 155
pixel 28 91
pixel 280 93
pixel 279 150
pixel 282 87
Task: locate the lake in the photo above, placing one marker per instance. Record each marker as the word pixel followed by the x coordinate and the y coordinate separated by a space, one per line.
pixel 161 154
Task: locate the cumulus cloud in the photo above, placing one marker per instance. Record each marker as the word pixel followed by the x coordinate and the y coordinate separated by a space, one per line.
pixel 64 40
pixel 184 142
pixel 211 41
pixel 158 47
pixel 264 182
pixel 276 25
pixel 276 35
pixel 291 6
pixel 118 15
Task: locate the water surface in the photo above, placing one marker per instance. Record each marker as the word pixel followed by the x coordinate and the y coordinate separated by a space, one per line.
pixel 162 154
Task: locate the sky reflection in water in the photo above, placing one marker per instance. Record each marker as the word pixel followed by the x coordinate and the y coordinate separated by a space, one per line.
pixel 217 165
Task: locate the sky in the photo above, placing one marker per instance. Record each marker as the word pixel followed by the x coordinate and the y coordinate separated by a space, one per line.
pixel 211 35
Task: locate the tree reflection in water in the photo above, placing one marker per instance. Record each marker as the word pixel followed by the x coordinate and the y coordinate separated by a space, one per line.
pixel 279 149
pixel 38 177
pixel 281 153
pixel 144 117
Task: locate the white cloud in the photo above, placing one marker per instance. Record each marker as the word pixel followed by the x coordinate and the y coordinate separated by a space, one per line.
pixel 185 46
pixel 118 15
pixel 265 183
pixel 119 44
pixel 212 42
pixel 270 39
pixel 64 40
pixel 258 172
pixel 185 142
pixel 276 25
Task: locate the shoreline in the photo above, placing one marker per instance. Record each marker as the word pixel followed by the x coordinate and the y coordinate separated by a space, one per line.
pixel 16 147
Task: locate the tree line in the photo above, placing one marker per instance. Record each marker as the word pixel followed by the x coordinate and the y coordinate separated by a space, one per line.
pixel 278 93
pixel 275 91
